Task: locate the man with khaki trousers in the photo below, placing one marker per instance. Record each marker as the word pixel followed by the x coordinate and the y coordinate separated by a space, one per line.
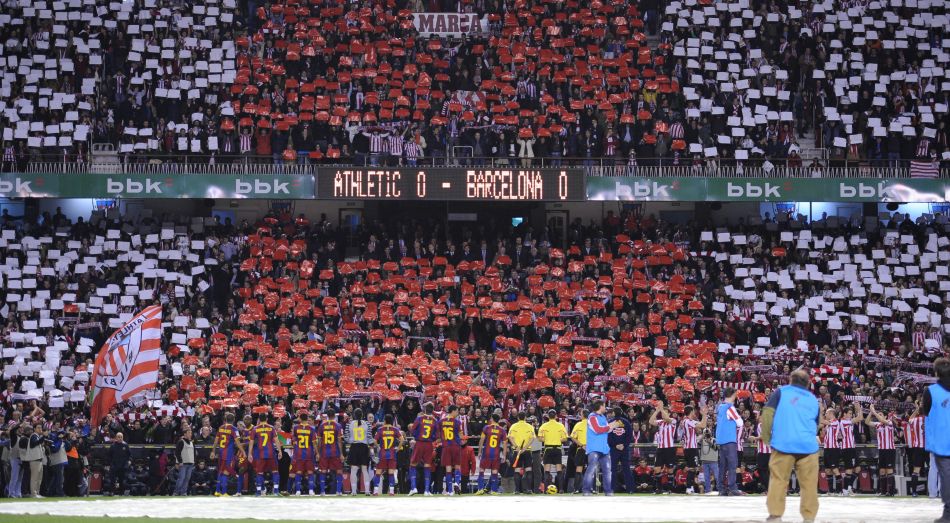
pixel 32 453
pixel 790 426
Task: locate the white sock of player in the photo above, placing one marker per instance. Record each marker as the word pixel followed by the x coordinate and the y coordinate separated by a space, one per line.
pixel 353 479
pixel 366 479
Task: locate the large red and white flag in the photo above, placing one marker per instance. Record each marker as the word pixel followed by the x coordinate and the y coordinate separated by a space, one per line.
pixel 127 364
pixel 924 169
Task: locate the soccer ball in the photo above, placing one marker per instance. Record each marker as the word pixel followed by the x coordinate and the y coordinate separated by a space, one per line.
pixel 551 489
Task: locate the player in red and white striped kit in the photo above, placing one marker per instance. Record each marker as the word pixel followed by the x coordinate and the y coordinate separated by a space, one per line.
pixel 848 453
pixel 913 430
pixel 831 442
pixel 695 421
pixel 763 453
pixel 886 452
pixel 665 448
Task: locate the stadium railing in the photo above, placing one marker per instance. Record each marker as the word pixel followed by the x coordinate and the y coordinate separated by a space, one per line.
pixel 607 167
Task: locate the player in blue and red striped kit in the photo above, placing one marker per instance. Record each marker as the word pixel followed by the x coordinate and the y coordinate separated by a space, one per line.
pixel 227 446
pixel 423 430
pixel 264 452
pixel 494 443
pixel 389 440
pixel 304 438
pixel 243 466
pixel 330 439
pixel 450 434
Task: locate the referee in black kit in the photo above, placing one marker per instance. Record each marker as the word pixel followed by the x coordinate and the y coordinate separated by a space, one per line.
pixel 553 436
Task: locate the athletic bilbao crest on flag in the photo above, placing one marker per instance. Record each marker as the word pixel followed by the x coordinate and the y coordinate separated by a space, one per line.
pixel 127 364
pixel 117 366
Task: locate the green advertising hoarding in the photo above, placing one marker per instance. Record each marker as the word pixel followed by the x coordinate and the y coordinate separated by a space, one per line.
pixel 225 186
pixel 683 189
pixel 598 188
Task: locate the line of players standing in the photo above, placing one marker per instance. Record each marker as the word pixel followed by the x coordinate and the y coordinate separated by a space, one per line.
pixel 836 437
pixel 840 455
pixel 318 450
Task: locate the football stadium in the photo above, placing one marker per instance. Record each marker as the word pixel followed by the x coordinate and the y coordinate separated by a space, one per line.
pixel 559 261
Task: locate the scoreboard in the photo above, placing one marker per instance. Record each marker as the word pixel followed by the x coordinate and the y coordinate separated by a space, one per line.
pixel 451 184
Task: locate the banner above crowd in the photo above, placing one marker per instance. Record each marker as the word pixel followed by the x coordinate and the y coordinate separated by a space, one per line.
pixel 449 24
pixel 684 189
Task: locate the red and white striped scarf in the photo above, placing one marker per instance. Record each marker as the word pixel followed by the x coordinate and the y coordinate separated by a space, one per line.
pixel 377 143
pixel 246 143
pixel 412 150
pixel 158 412
pixel 676 131
pixel 738 385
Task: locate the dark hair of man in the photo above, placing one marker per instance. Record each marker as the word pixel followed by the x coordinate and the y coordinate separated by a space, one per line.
pixel 942 367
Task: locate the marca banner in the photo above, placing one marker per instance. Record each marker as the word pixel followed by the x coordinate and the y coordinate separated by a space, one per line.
pixel 687 189
pixel 127 364
pixel 449 24
pixel 223 186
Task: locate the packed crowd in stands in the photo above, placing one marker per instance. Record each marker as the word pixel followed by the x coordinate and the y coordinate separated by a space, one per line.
pixel 677 82
pixel 867 76
pixel 269 319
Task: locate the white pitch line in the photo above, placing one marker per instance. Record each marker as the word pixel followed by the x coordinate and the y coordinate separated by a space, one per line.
pixel 503 508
